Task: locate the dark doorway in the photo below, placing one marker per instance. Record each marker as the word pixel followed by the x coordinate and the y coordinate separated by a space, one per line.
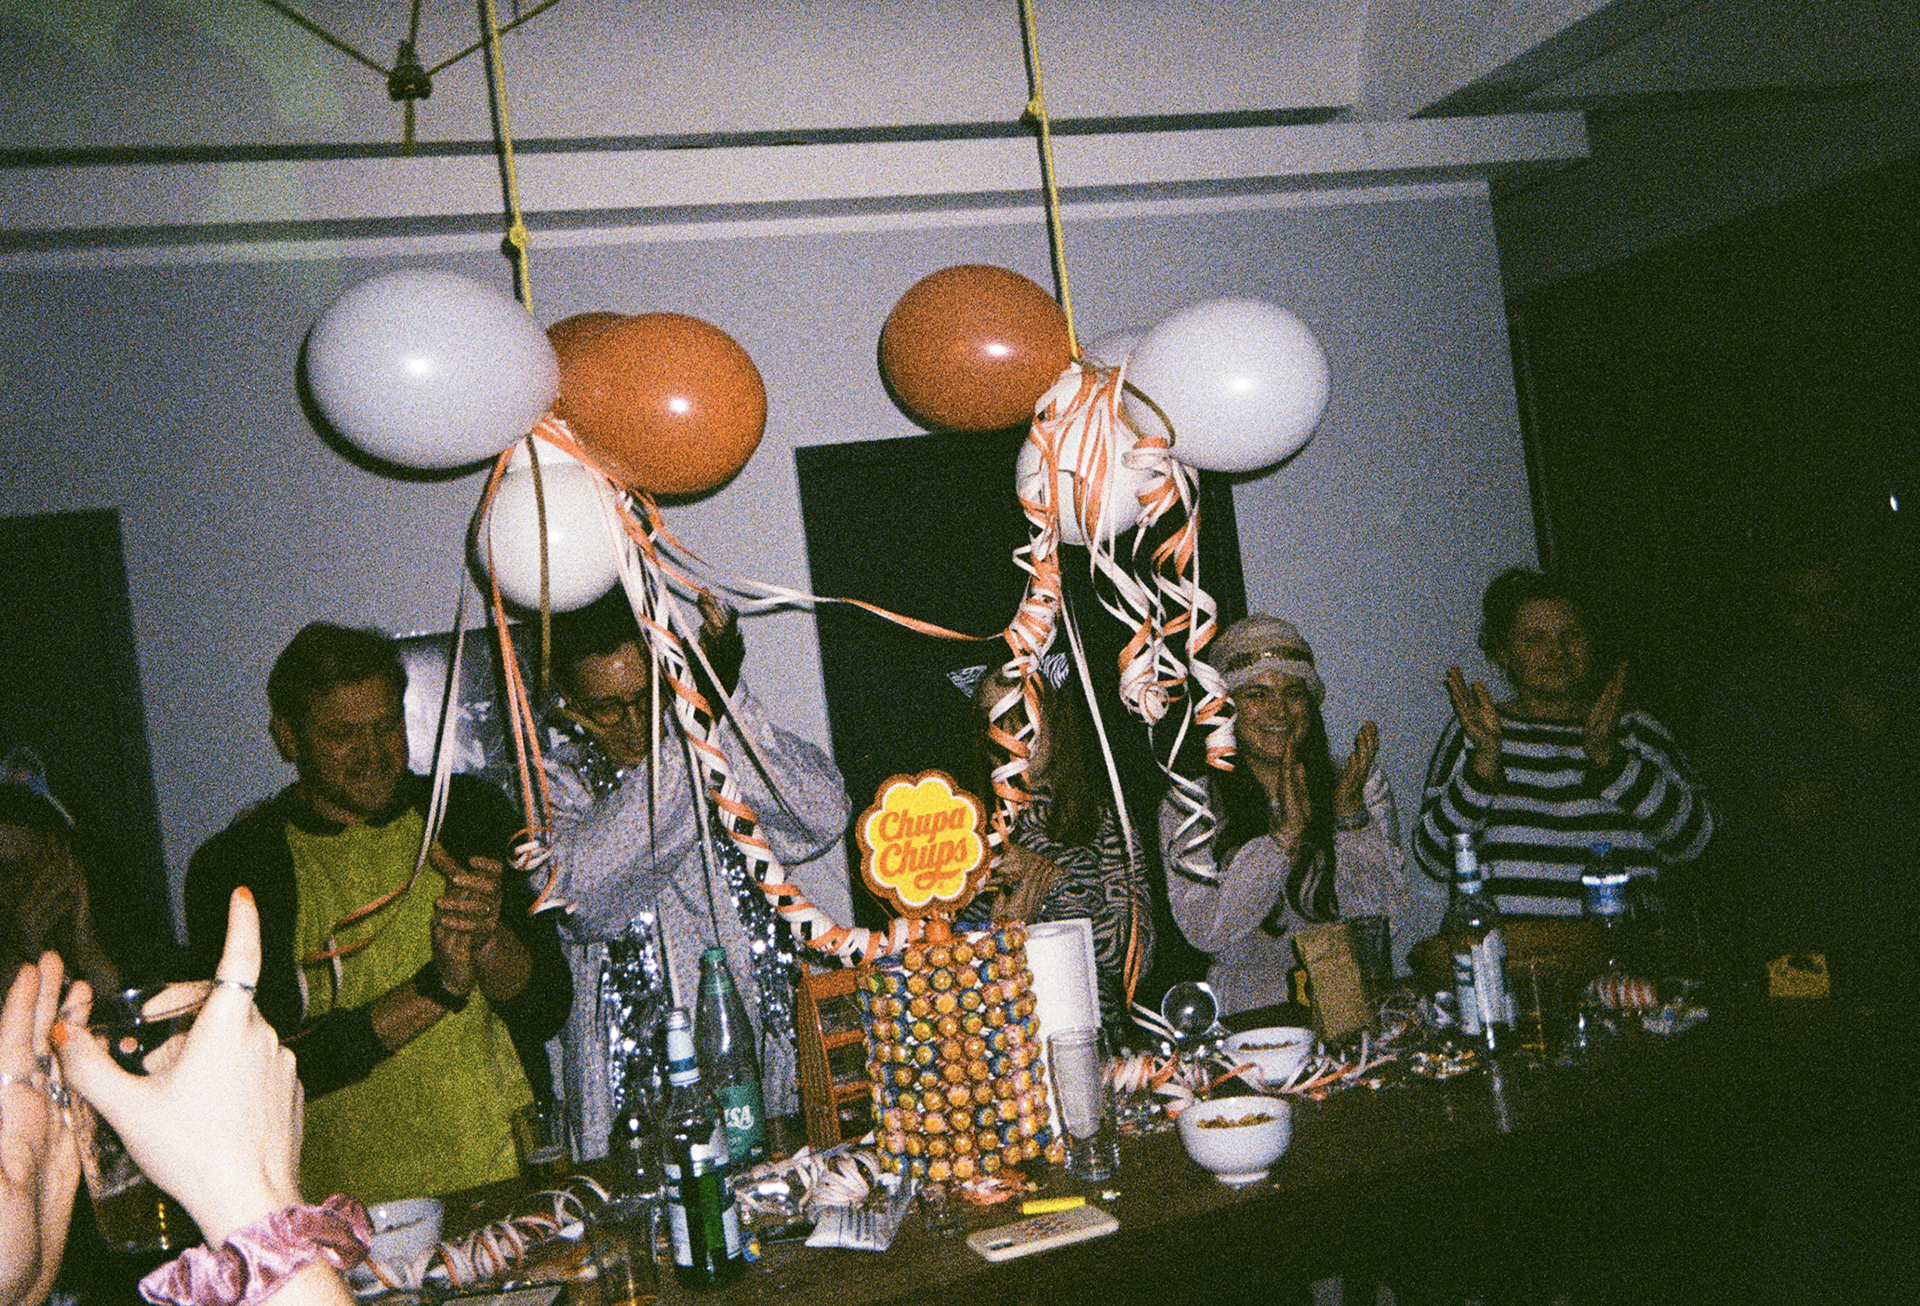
pixel 71 692
pixel 1697 415
pixel 925 526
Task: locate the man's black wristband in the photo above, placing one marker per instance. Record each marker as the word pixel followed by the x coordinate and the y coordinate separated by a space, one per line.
pixel 426 982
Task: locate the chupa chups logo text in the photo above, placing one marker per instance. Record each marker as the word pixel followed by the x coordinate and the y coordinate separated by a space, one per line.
pixel 920 843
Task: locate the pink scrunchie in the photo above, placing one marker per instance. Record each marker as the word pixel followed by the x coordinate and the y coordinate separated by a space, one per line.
pixel 263 1255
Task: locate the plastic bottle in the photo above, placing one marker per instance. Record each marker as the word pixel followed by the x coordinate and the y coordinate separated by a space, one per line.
pixel 708 1249
pixel 1607 906
pixel 1615 903
pixel 723 1038
pixel 1478 945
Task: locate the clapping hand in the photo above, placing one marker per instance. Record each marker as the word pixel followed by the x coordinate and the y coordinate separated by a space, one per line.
pixel 39 1155
pixel 216 1119
pixel 1291 803
pixel 1350 794
pixel 468 936
pixel 465 918
pixel 1480 719
pixel 1602 742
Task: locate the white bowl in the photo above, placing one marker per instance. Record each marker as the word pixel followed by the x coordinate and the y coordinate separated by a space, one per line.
pixel 1277 1052
pixel 1237 1153
pixel 404 1232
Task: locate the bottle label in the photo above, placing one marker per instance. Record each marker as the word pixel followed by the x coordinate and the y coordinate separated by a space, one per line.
pixel 1490 979
pixel 1463 991
pixel 713 1227
pixel 745 1117
pixel 705 1157
pixel 1480 984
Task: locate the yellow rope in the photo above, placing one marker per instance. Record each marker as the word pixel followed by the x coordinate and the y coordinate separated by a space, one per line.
pixel 517 238
pixel 517 242
pixel 1037 110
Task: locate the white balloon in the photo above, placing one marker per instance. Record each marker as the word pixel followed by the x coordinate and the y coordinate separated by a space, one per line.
pixel 1243 382
pixel 1071 486
pixel 429 369
pixel 551 455
pixel 583 559
pixel 1111 351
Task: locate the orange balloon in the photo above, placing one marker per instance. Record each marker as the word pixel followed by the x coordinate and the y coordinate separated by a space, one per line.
pixel 973 347
pixel 569 333
pixel 671 404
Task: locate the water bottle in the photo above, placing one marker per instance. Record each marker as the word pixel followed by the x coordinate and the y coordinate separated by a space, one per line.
pixel 708 1249
pixel 723 1039
pixel 1616 904
pixel 1605 887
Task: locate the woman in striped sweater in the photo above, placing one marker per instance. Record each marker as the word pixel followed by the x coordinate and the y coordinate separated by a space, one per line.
pixel 1556 768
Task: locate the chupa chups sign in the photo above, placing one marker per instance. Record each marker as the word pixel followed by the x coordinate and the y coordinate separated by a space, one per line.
pixel 920 844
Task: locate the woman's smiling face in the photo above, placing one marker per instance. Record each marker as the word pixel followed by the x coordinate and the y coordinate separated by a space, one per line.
pixel 1271 711
pixel 1548 652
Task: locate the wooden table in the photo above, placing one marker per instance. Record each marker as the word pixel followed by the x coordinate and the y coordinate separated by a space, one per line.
pixel 1655 1172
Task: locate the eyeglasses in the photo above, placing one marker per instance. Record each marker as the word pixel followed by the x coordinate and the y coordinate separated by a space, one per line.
pixel 611 712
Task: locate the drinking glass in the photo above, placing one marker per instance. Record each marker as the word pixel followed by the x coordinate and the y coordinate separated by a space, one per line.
pixel 132 1212
pixel 540 1138
pixel 620 1240
pixel 1373 952
pixel 1077 1059
pixel 1542 1007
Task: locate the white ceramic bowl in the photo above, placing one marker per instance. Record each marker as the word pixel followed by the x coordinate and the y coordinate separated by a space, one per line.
pixel 404 1232
pixel 1277 1052
pixel 1237 1153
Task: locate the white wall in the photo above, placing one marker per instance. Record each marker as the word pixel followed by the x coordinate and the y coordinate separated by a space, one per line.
pixel 167 391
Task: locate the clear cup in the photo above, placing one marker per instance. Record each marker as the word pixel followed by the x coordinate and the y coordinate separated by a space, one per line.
pixel 620 1241
pixel 540 1140
pixel 1542 1007
pixel 1077 1060
pixel 132 1212
pixel 1373 952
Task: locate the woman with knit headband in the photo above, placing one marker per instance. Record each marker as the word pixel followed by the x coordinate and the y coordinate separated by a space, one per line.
pixel 1299 839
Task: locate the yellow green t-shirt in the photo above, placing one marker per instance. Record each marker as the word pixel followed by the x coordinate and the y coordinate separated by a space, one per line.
pixel 435 1116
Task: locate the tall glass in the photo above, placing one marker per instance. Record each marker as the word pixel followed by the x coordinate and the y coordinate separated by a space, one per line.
pixel 132 1212
pixel 540 1138
pixel 1077 1060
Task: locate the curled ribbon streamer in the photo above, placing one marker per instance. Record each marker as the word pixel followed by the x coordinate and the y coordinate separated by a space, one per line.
pixel 1172 618
pixel 671 634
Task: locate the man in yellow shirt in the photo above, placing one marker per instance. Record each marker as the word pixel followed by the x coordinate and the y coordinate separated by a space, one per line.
pixel 418 1009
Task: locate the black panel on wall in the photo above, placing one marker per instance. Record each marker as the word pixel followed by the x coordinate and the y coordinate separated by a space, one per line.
pixel 70 689
pixel 925 526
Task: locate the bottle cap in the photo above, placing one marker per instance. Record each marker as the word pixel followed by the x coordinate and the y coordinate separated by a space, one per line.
pixel 682 1068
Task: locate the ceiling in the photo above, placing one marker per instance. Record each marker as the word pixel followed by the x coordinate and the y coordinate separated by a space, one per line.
pixel 227 118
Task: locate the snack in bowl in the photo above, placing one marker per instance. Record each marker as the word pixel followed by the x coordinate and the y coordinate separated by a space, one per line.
pixel 1277 1052
pixel 1237 1138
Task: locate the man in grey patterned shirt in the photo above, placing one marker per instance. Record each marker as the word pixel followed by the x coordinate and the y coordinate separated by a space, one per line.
pixel 645 892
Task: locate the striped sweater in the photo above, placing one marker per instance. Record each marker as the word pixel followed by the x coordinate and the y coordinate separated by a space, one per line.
pixel 1536 831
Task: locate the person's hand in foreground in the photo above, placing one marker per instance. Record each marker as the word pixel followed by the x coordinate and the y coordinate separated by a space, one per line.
pixel 216 1119
pixel 39 1155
